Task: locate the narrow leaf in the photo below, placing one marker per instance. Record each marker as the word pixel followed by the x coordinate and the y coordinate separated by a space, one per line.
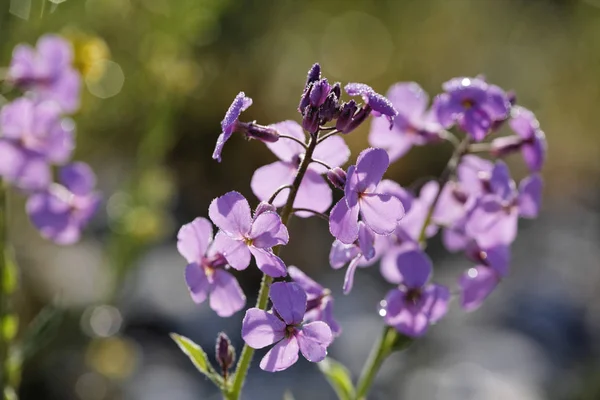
pixel 287 395
pixel 338 377
pixel 197 356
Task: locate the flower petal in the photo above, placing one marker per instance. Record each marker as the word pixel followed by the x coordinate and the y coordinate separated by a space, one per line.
pixel 414 266
pixel 289 300
pixel 236 252
pixel 193 239
pixel 333 152
pixel 226 295
pixel 476 285
pixel 260 328
pixel 79 178
pixel 343 222
pixel 413 324
pixel 341 253
pixel 409 99
pixel 231 213
pixel 395 142
pixel 437 299
pixel 268 178
pixel 349 277
pixel 312 288
pixel 285 149
pixel 313 340
pixel 314 194
pixel 381 212
pixel 268 262
pixel 370 167
pixel 197 282
pixel 282 356
pixel 268 231
pixel 530 196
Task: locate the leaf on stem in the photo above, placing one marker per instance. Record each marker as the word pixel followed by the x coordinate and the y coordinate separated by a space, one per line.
pixel 338 377
pixel 197 356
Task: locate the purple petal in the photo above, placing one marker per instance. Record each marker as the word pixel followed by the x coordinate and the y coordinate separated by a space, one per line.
pixel 497 105
pixel 78 178
pixel 260 328
pixel 343 222
pixel 476 285
pixel 22 64
pixel 289 300
pixel 231 213
pixel 193 239
pixel 389 267
pixel 454 240
pixel 523 122
pixel 268 178
pixel 477 123
pixel 268 231
pixel 366 241
pixel 395 142
pixel 313 340
pixel 197 282
pixel 226 295
pixel 314 193
pixel 498 258
pixel 446 110
pixel 414 266
pixel 530 196
pixel 370 167
pixel 388 186
pixel 288 150
pixel 534 153
pixel 437 300
pixel 268 262
pixel 65 91
pixel 16 118
pixel 381 212
pixel 349 277
pixel 501 182
pixel 409 99
pixel 490 224
pixel 312 288
pixel 412 324
pixel 377 102
pixel 470 172
pixel 236 252
pixel 51 216
pixel 328 318
pixel 341 253
pixel 22 168
pixel 282 356
pixel 240 104
pixel 333 152
pixel 56 53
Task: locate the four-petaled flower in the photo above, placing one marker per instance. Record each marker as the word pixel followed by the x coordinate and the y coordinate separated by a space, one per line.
pixel 380 212
pixel 285 327
pixel 230 122
pixel 206 274
pixel 472 103
pixel 415 304
pixel 245 236
pixel 314 192
pixel 413 126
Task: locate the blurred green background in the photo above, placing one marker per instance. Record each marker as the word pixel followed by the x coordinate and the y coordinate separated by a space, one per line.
pixel 159 75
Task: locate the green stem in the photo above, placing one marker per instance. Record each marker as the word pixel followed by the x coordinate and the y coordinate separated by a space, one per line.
pixel 263 294
pixel 3 295
pixel 390 340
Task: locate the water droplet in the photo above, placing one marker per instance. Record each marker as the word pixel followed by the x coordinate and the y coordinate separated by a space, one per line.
pixel 466 82
pixel 472 272
pixel 381 308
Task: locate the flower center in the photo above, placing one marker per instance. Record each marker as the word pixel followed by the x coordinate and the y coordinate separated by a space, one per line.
pixel 467 104
pixel 248 241
pixel 290 331
pixel 413 295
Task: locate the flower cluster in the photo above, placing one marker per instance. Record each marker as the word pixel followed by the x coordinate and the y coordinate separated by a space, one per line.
pixel 36 136
pixel 475 206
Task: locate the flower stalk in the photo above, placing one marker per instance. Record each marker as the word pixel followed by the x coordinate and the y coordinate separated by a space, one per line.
pixel 3 295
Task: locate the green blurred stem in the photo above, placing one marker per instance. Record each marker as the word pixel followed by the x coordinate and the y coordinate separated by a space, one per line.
pixel 263 294
pixel 390 340
pixel 3 275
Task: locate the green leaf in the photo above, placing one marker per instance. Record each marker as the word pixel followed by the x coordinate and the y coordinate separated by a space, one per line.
pixel 287 395
pixel 338 377
pixel 198 358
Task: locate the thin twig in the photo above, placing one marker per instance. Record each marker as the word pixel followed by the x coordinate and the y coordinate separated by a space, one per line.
pixel 300 142
pixel 328 135
pixel 326 128
pixel 318 214
pixel 279 190
pixel 323 163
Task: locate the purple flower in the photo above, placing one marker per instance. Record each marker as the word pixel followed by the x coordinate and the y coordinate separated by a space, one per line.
pixel 530 139
pixel 378 103
pixel 477 283
pixel 62 211
pixel 472 103
pixel 285 328
pixel 245 236
pixel 493 219
pixel 415 304
pixel 47 71
pixel 206 274
pixel 413 126
pixel 319 305
pixel 32 136
pixel 380 212
pixel 314 192
pixel 230 122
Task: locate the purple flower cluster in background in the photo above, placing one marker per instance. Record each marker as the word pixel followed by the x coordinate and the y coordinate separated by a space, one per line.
pixel 475 206
pixel 37 136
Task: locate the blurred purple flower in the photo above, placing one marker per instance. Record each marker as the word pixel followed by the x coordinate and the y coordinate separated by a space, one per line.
pixel 472 103
pixel 319 305
pixel 62 211
pixel 380 212
pixel 314 193
pixel 245 236
pixel 206 274
pixel 284 327
pixel 47 71
pixel 415 304
pixel 32 136
pixel 378 103
pixel 413 126
pixel 230 122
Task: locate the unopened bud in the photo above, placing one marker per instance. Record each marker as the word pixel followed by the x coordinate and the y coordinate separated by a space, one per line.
pixel 305 99
pixel 314 74
pixel 358 119
pixel 506 145
pixel 346 114
pixel 337 90
pixel 319 92
pixel 263 207
pixel 225 353
pixel 337 177
pixel 260 132
pixel 310 122
pixel 329 110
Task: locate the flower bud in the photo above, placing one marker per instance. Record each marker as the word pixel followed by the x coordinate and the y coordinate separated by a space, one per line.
pixel 225 352
pixel 337 90
pixel 262 207
pixel 329 110
pixel 310 122
pixel 337 177
pixel 506 145
pixel 358 118
pixel 319 92
pixel 314 74
pixel 260 132
pixel 305 99
pixel 346 114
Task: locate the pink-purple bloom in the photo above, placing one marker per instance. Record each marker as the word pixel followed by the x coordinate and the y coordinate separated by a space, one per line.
pixel 314 192
pixel 413 126
pixel 62 210
pixel 206 274
pixel 414 304
pixel 376 102
pixel 319 304
pixel 284 326
pixel 33 136
pixel 473 104
pixel 245 237
pixel 379 211
pixel 47 71
pixel 230 122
